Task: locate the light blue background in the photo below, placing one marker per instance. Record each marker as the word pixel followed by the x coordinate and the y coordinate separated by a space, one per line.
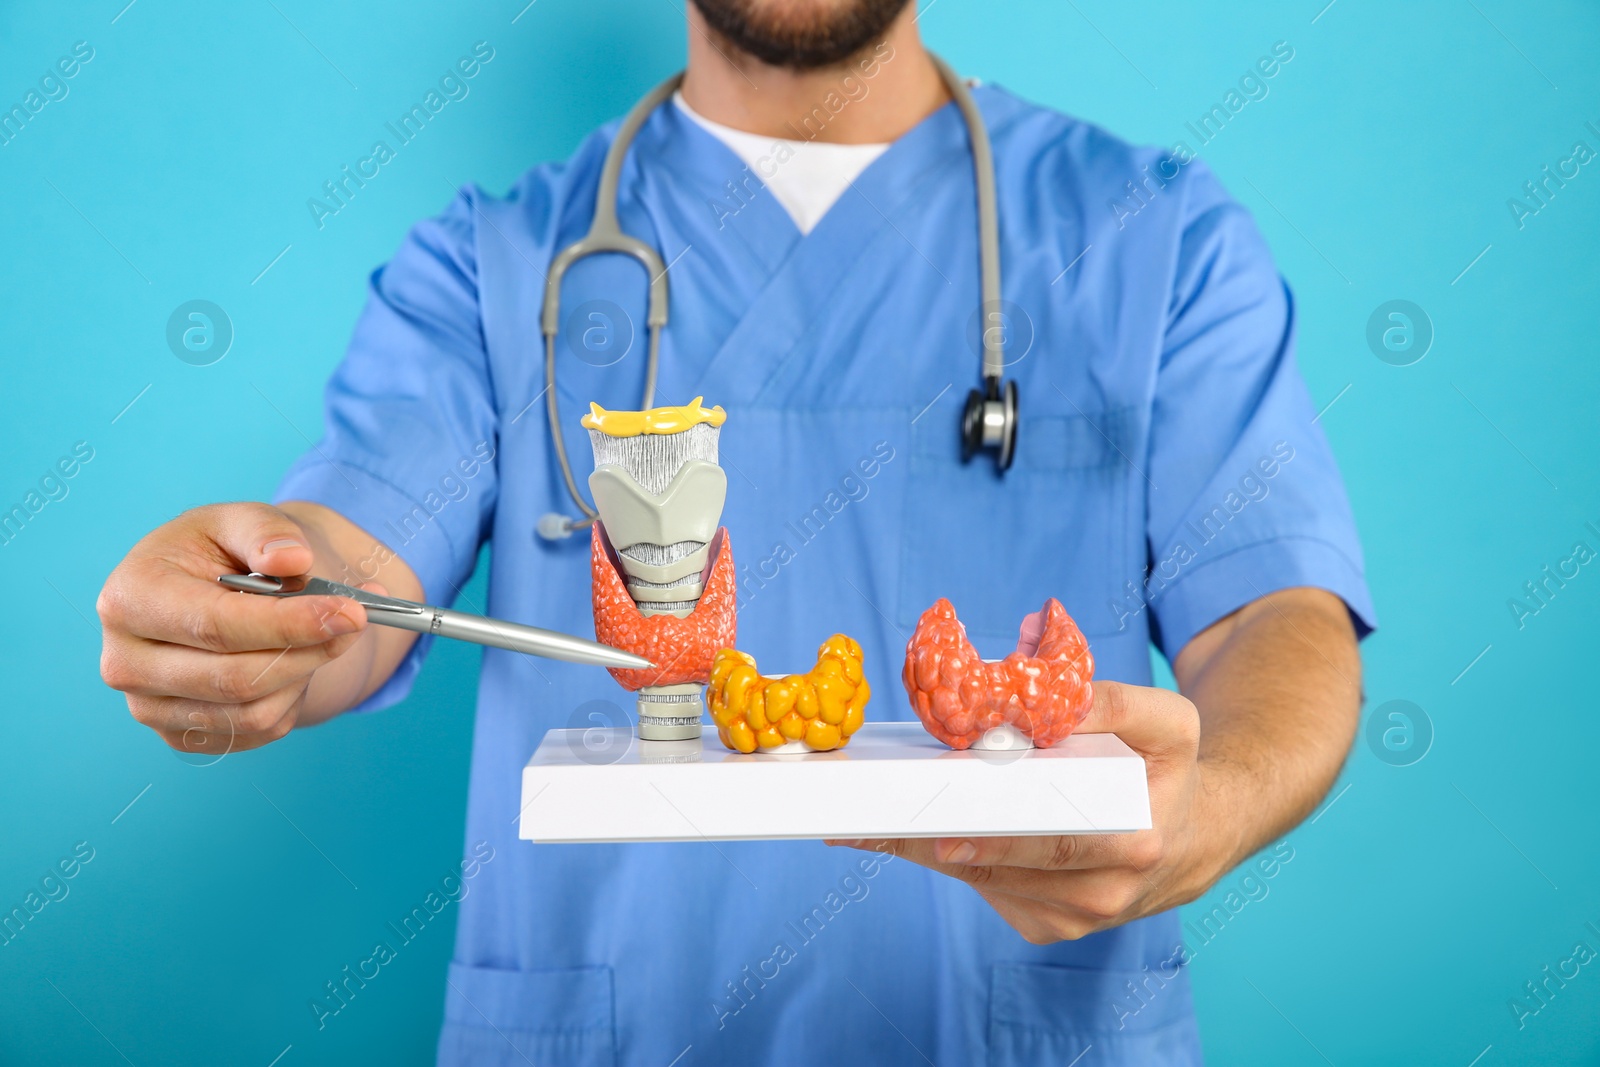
pixel 1379 166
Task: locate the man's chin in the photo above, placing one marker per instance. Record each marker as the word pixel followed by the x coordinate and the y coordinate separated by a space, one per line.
pixel 800 34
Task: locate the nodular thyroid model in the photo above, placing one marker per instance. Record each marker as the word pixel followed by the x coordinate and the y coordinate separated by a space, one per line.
pixel 662 566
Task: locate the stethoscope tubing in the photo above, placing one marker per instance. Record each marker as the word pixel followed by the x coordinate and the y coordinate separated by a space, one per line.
pixel 605 235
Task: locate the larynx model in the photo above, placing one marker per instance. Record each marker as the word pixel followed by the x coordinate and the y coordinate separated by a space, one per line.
pixel 816 711
pixel 1038 694
pixel 662 567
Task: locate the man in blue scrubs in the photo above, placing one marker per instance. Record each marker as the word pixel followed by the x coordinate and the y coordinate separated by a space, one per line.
pixel 1170 488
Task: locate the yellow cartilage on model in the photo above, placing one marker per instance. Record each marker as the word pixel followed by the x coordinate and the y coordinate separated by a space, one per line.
pixel 652 420
pixel 820 708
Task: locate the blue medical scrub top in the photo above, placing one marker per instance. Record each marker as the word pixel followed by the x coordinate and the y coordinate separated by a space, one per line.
pixel 1168 471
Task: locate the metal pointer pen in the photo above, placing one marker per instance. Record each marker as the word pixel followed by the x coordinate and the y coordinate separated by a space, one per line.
pixel 425 619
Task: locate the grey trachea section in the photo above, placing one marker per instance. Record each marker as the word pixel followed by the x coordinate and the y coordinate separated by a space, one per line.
pixel 688 579
pixel 658 555
pixel 654 458
pixel 663 607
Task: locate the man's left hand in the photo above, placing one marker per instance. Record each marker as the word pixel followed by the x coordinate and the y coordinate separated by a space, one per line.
pixel 1062 888
pixel 1277 685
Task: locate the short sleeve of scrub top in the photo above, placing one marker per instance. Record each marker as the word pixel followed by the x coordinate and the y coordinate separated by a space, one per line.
pixel 409 417
pixel 1244 497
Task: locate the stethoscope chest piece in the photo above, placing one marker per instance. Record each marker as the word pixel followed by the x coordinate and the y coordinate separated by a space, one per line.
pixel 990 423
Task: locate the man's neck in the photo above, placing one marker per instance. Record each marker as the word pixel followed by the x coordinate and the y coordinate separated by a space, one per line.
pixel 870 99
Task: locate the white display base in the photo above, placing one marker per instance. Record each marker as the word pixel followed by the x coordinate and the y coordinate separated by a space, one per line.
pixel 894 780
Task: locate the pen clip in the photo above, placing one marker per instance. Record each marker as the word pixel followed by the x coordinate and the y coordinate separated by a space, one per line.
pixel 370 601
pixel 267 585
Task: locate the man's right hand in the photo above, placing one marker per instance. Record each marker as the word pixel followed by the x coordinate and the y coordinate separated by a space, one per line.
pixel 214 671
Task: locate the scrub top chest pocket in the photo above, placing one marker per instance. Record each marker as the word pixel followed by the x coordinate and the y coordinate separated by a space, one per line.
pixel 1058 523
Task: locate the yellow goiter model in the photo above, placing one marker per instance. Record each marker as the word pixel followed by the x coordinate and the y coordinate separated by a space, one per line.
pixel 819 709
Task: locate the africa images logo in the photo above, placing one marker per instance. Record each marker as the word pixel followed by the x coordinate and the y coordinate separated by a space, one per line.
pixel 199 332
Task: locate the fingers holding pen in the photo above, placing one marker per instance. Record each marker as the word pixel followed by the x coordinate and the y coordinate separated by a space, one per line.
pixel 177 608
pixel 203 728
pixel 141 667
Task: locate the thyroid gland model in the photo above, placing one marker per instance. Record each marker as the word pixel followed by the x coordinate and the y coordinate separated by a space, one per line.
pixel 663 572
pixel 1034 697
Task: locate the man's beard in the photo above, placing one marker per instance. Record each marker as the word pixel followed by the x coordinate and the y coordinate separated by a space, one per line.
pixel 803 35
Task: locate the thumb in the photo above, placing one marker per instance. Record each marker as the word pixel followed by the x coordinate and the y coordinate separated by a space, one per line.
pixel 263 538
pixel 1153 721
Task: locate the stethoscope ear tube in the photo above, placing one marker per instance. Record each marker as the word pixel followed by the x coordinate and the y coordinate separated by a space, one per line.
pixel 604 235
pixel 992 333
pixel 553 526
pixel 553 410
pixel 989 421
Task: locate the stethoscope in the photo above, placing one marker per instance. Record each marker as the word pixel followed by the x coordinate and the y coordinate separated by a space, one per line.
pixel 989 420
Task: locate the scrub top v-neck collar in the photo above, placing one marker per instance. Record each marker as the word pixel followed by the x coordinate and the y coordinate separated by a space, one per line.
pixel 702 167
pixel 803 270
pixel 805 176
